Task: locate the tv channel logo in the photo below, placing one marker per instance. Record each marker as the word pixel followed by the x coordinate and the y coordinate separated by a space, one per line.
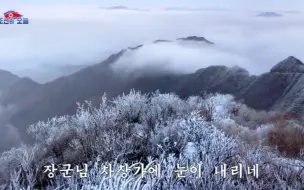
pixel 12 17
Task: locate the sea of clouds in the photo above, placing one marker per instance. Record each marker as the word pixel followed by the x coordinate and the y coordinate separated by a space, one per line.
pixel 66 34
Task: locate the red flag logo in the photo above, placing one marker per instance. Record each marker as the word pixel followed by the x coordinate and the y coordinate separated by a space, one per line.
pixel 12 15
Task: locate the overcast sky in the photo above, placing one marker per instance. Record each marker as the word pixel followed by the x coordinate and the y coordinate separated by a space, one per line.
pixel 218 3
pixel 257 3
pixel 63 32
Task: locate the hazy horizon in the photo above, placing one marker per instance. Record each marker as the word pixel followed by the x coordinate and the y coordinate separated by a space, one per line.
pixel 73 34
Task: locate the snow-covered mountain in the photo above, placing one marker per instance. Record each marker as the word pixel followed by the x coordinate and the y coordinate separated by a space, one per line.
pixel 270 91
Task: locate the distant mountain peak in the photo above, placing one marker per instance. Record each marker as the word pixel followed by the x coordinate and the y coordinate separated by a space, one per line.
pixel 136 47
pixel 269 14
pixel 196 38
pixel 289 65
pixel 121 7
pixel 161 41
pixel 190 38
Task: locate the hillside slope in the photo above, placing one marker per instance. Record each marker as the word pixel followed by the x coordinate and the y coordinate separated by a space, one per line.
pixel 279 90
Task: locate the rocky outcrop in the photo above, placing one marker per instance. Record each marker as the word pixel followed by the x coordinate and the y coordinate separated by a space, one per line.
pixel 289 65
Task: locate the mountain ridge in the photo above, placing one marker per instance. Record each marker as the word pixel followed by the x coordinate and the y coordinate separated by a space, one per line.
pixel 264 92
pixel 7 79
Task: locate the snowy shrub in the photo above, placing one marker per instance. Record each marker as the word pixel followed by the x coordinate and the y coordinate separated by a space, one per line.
pixel 251 118
pixel 129 107
pixel 167 140
pixel 244 133
pixel 156 129
pixel 222 105
pixel 194 103
pixel 20 166
pixel 288 139
pixel 216 107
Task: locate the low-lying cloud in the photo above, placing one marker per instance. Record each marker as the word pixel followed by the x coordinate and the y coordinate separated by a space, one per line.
pixel 178 57
pixel 87 35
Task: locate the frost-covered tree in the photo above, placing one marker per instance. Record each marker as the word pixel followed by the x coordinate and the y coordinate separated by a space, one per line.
pixel 153 129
